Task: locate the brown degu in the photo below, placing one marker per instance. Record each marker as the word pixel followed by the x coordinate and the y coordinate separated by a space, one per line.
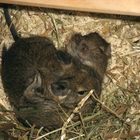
pixel 92 50
pixel 23 68
pixel 42 82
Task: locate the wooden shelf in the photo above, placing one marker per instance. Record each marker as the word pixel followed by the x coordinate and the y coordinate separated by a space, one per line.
pixel 123 7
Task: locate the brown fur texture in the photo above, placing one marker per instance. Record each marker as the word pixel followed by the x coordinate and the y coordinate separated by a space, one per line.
pixel 92 50
pixel 42 83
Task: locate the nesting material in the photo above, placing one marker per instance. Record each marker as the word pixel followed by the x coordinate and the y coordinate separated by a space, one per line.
pixel 117 114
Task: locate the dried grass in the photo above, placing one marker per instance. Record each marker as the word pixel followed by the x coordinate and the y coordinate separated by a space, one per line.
pixel 117 115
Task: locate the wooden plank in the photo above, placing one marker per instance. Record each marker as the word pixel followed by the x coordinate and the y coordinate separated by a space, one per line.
pixel 124 7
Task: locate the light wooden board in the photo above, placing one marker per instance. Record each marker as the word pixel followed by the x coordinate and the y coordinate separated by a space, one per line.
pixel 124 7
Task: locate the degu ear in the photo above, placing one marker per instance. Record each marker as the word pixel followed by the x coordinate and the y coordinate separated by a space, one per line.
pixel 64 57
pixel 108 50
pixel 105 47
pixel 31 89
pixel 76 38
pixel 102 43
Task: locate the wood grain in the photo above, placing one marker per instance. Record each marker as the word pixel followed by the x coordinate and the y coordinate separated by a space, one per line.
pixel 124 7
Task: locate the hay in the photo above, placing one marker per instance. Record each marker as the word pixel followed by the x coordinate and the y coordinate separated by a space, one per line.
pixel 117 115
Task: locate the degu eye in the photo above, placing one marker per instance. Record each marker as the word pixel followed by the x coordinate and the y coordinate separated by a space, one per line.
pixel 39 90
pixel 59 88
pixel 82 93
pixel 84 48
